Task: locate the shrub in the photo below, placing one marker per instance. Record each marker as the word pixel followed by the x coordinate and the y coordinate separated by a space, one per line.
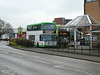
pixel 23 42
pixel 29 43
pixel 12 43
pixel 22 38
pixel 18 42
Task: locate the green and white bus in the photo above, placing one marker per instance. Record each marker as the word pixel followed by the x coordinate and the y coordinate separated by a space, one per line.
pixel 43 34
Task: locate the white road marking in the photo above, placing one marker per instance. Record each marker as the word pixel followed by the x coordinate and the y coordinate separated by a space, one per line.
pixel 5 71
pixel 38 61
pixel 61 66
pixel 17 55
pixel 12 54
pixel 4 52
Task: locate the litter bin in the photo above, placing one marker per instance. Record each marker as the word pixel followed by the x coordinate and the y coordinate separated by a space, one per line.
pixel 33 43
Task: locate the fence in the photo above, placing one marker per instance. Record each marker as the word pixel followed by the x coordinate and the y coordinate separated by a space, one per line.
pixel 83 47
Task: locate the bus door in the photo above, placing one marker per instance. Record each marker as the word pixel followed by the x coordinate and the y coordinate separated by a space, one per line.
pixel 54 38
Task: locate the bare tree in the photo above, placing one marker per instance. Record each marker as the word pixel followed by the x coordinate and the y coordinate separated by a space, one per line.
pixel 5 28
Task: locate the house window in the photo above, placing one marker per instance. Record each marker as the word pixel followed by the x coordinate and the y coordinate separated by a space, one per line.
pixel 90 0
pixel 94 38
pixel 57 21
pixel 94 0
pixel 95 33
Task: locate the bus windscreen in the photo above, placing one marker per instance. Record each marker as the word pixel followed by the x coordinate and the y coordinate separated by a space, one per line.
pixel 49 38
pixel 49 26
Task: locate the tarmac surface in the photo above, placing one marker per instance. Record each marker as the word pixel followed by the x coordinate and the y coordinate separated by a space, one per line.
pixel 64 54
pixel 25 62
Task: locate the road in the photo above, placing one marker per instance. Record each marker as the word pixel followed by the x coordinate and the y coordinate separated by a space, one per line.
pixel 19 62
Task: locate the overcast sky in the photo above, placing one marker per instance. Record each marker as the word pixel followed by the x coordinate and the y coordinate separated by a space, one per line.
pixel 23 12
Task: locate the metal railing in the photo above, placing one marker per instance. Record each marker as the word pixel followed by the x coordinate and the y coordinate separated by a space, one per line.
pixel 82 47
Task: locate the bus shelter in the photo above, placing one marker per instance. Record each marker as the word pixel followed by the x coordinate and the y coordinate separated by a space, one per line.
pixel 86 23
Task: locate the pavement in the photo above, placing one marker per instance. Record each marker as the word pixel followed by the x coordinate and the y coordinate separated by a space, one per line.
pixel 64 54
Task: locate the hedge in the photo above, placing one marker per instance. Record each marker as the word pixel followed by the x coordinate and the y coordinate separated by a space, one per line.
pixel 22 42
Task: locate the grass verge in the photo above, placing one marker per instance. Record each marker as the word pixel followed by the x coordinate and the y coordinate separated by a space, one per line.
pixel 19 46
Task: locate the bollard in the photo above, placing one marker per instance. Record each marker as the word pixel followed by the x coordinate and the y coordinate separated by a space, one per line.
pixel 98 50
pixel 74 47
pixel 48 45
pixel 89 50
pixel 68 47
pixel 82 47
pixel 98 47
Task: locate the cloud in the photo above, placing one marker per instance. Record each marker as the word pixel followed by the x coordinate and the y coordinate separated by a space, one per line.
pixel 23 12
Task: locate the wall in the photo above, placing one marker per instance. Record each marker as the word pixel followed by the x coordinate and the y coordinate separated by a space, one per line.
pixel 93 9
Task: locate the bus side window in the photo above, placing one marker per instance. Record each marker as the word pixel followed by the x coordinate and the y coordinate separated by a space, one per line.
pixel 53 38
pixel 32 37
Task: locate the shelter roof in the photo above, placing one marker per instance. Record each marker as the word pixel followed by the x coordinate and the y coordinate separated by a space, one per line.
pixel 84 20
